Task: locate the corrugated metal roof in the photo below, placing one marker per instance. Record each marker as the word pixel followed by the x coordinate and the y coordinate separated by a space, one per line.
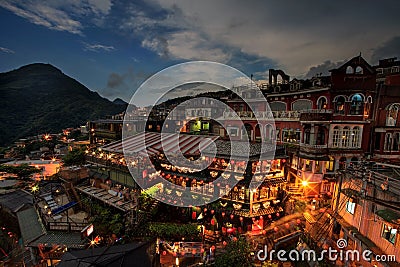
pixel 153 143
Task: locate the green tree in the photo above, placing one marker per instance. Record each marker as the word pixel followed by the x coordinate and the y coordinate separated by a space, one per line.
pixel 237 253
pixel 74 157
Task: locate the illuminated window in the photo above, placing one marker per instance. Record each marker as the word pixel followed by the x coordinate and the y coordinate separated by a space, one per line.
pixel 350 206
pixel 392 113
pixel 318 168
pixel 345 137
pixel 308 165
pixel 339 104
pixel 321 103
pixel 330 165
pixel 357 105
pixel 389 233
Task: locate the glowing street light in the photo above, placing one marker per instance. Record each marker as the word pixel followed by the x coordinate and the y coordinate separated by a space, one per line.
pixel 35 188
pixel 304 183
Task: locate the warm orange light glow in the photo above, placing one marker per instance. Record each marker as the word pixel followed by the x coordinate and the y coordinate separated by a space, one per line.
pixel 304 183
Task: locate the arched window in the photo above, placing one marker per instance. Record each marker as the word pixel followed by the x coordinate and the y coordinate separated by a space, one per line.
pixel 355 137
pixel 339 104
pixel 345 137
pixel 277 106
pixel 396 141
pixel 357 104
pixel 336 137
pixel 388 142
pixel 269 132
pixel 321 103
pixel 368 105
pixel 359 70
pixel 330 165
pixel 307 136
pixel 301 104
pixel 349 70
pixel 321 136
pixel 392 114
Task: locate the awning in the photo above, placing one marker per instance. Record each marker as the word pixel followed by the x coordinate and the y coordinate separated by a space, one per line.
pixel 389 215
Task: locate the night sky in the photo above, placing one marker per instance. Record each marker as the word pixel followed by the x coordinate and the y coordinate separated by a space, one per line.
pixel 112 47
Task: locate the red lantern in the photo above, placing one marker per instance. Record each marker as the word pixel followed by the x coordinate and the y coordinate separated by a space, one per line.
pixel 202 250
pixel 232 216
pixel 223 214
pixel 277 214
pixel 212 211
pixel 269 216
pixel 164 253
pixel 218 184
pixel 241 218
pixel 194 251
pixel 212 247
pixel 287 225
pixel 212 221
pixel 205 209
pixel 283 160
pixel 276 229
pixel 298 221
pixel 194 215
pixel 264 232
pixel 224 243
pixel 234 238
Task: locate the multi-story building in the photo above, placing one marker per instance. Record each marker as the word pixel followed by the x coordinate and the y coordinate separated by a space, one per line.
pixel 385 142
pixel 365 213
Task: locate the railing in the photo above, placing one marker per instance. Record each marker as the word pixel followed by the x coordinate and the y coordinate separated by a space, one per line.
pixel 283 115
pixel 317 111
pixel 314 148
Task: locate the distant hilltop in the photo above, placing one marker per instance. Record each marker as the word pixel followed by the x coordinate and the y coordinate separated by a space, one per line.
pixel 39 98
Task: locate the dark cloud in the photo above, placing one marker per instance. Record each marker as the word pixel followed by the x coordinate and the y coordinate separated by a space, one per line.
pixel 124 85
pixel 388 49
pixel 324 68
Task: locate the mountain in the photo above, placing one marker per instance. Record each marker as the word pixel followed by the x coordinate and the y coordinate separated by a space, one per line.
pixel 119 101
pixel 39 98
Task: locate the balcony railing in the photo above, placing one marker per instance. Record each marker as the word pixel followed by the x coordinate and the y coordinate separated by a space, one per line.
pixel 314 148
pixel 305 115
pixel 280 115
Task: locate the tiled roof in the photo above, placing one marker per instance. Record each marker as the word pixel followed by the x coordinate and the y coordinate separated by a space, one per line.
pixel 70 240
pixel 15 200
pixel 30 225
pixel 133 254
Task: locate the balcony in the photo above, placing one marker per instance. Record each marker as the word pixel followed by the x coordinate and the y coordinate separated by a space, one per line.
pixel 316 115
pixel 317 149
pixel 277 115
